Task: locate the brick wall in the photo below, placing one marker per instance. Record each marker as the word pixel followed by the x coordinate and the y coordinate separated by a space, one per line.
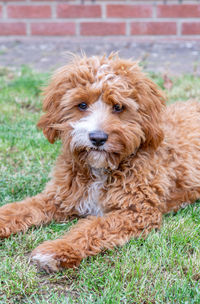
pixel 100 18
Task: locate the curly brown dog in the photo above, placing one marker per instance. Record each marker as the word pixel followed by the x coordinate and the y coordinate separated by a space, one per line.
pixel 126 160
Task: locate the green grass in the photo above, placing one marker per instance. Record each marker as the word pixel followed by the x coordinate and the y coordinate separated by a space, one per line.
pixel 165 268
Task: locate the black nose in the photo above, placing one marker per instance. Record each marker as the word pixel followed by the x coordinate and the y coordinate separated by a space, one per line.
pixel 98 138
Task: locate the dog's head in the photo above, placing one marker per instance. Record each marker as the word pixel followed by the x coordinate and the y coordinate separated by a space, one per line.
pixel 103 109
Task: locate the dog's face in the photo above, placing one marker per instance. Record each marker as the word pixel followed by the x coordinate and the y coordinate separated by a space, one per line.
pixel 103 109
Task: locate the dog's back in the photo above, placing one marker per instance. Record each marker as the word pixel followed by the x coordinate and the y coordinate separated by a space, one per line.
pixel 181 125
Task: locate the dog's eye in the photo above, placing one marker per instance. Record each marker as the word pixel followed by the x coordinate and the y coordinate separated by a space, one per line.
pixel 117 108
pixel 82 106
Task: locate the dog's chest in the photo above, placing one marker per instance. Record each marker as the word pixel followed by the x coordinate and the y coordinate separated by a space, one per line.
pixel 90 204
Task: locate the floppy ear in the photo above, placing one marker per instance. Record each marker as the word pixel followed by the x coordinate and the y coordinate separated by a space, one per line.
pixel 51 104
pixel 149 97
pixel 151 104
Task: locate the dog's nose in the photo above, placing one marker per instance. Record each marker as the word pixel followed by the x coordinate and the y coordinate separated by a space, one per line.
pixel 98 138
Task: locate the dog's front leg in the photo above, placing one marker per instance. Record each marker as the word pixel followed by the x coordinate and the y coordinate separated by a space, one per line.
pixel 93 234
pixel 19 216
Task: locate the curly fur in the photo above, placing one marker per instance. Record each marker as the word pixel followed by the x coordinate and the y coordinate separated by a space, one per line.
pixel 149 166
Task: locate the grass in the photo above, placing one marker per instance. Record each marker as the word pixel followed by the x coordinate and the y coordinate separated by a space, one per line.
pixel 165 268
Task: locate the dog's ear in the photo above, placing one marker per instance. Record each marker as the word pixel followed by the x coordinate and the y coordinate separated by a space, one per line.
pixel 53 94
pixel 151 104
pixel 150 99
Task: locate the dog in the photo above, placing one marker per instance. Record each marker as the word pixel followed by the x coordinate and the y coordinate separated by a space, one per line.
pixel 126 160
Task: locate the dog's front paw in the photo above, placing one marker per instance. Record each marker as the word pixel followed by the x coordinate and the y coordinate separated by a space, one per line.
pixel 10 226
pixel 4 231
pixel 11 220
pixel 45 261
pixel 53 256
pixel 7 225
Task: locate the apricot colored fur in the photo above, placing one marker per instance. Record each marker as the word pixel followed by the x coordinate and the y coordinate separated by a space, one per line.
pixel 150 164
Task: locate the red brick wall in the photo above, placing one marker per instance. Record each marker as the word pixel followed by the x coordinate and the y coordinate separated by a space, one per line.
pixel 138 18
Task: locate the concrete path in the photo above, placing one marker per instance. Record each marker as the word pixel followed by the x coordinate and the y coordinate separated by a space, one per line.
pixel 173 57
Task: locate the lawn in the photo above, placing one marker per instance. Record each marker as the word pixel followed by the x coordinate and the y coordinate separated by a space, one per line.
pixel 165 268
